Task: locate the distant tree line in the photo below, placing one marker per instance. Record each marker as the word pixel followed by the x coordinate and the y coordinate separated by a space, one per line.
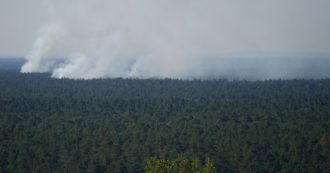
pixel 138 125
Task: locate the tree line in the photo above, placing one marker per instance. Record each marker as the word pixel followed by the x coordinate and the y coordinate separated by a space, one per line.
pixel 138 125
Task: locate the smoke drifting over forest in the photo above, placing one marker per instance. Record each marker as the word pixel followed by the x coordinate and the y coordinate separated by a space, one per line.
pixel 183 39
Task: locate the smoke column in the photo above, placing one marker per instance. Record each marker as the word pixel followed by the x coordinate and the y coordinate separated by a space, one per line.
pixel 183 39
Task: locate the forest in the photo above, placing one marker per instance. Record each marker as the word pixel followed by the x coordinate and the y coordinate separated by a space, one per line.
pixel 129 125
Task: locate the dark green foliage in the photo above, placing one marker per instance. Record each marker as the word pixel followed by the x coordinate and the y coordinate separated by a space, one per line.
pixel 179 165
pixel 115 125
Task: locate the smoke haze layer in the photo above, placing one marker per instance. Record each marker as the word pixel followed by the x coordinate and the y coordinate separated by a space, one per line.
pixel 181 39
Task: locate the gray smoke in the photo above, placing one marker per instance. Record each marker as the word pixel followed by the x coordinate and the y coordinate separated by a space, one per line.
pixel 181 39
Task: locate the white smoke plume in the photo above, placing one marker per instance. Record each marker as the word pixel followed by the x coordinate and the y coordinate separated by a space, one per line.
pixel 176 38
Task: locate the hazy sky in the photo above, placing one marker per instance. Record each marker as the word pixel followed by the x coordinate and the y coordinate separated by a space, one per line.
pixel 245 25
pixel 146 38
pixel 20 21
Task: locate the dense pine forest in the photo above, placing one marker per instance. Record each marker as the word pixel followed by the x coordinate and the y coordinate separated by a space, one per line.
pixel 122 125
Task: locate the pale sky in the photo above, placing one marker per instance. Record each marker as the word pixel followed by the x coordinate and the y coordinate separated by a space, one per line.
pixel 243 25
pixel 20 21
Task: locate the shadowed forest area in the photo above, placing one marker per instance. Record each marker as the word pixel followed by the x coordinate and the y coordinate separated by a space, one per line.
pixel 123 125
